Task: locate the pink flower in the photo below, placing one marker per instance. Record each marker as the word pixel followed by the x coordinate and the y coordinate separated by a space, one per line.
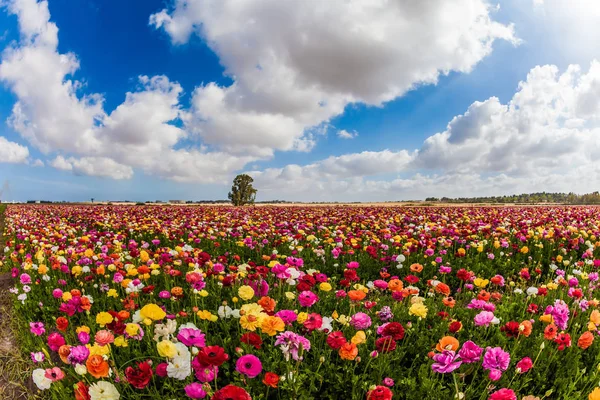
pixel 360 321
pixel 55 340
pixel 249 365
pixel 314 321
pixel 57 293
pixel 484 318
pixel 445 362
pixel 496 360
pixel 161 370
pixel 54 374
pixel 352 265
pixel 191 337
pixel 307 298
pixel 37 328
pixel 503 394
pixel 37 357
pixel 195 391
pixel 524 365
pixel 25 279
pixel 389 382
pixel 288 316
pixel 470 352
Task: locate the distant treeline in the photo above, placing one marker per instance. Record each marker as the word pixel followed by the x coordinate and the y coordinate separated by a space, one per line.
pixel 526 198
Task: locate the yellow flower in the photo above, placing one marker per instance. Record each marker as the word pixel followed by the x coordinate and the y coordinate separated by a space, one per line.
pixel 359 338
pixel 82 328
pixel 66 296
pixel 271 325
pixel 166 348
pixel 335 314
pixel 343 319
pixel 99 350
pixel 153 312
pixel 547 318
pixel 103 318
pixel 418 309
pixel 203 293
pixel 290 295
pixel 42 270
pixel 204 314
pixel 552 286
pixel 132 329
pixel 246 292
pixel 302 317
pixel 112 293
pixel 249 322
pixel 120 341
pixel 325 286
pixel 144 257
pixel 481 283
pixel 559 258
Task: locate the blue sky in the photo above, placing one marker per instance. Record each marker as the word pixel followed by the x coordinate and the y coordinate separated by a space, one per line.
pixel 224 103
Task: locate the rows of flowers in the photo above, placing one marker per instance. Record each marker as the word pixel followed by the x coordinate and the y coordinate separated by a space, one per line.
pixel 124 302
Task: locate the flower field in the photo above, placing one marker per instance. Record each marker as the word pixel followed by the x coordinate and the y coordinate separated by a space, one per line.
pixel 307 303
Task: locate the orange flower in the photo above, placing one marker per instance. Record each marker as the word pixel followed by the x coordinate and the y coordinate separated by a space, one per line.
pixel 348 351
pixel 595 317
pixel 442 288
pixel 447 343
pixel 96 366
pixel 75 292
pixel 496 296
pixel 449 302
pixel 63 352
pixel 525 328
pixel 85 304
pixel 123 315
pixel 395 285
pixel 267 303
pixel 271 325
pixel 483 295
pixel 550 332
pixel 416 267
pixel 547 319
pixel 356 295
pixel 585 340
pixel 177 291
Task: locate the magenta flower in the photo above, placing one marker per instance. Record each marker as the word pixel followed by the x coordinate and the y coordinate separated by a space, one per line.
pixel 291 343
pixel 445 362
pixel 78 355
pixel 496 360
pixel 55 340
pixel 360 321
pixel 503 394
pixel 25 279
pixel 191 337
pixel 37 328
pixel 195 391
pixel 288 316
pixel 470 352
pixel 249 365
pixel 307 298
pixel 524 365
pixel 560 313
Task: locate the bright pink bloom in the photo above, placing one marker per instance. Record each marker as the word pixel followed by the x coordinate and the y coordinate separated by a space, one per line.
pixel 249 365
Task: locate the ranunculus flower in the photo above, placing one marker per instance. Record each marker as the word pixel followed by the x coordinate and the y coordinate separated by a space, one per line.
pixel 195 391
pixel 212 355
pixel 470 352
pixel 139 377
pixel 524 365
pixel 191 337
pixel 379 393
pixel 446 362
pixel 271 379
pixel 503 394
pixel 230 392
pixel 249 365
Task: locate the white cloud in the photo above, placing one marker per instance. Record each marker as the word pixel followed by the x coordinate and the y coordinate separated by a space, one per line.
pixel 297 64
pixel 94 166
pixel 13 153
pixel 38 163
pixel 544 138
pixel 344 134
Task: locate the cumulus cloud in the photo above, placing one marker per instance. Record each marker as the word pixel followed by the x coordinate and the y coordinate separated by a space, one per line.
pixel 297 64
pixel 544 138
pixel 13 153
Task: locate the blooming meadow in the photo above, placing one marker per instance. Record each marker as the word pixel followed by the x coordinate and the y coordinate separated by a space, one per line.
pixel 125 302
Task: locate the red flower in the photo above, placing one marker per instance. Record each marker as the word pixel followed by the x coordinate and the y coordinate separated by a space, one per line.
pixel 252 339
pixel 411 279
pixel 212 355
pixel 463 274
pixel 533 308
pixel 455 326
pixel 139 377
pixel 511 329
pixel 81 391
pixel 379 393
pixel 335 340
pixel 231 392
pixel 563 340
pixel 271 379
pixel 62 324
pixel 385 344
pixel 395 330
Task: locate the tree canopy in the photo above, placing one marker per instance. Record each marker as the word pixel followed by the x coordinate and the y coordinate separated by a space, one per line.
pixel 242 191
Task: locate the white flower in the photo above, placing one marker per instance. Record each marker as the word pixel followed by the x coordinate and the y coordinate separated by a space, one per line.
pixel 164 330
pixel 22 297
pixel 326 325
pixel 553 267
pixel 179 368
pixel 518 291
pixel 532 291
pixel 80 369
pixel 104 391
pixel 400 259
pixel 137 317
pixel 496 321
pixel 40 380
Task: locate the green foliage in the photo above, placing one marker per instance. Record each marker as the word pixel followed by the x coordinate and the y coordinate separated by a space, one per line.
pixel 242 191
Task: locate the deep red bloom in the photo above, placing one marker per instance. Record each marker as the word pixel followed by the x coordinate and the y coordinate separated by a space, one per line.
pixel 380 393
pixel 455 326
pixel 335 340
pixel 395 330
pixel 532 308
pixel 411 279
pixel 139 377
pixel 212 355
pixel 81 391
pixel 563 340
pixel 463 274
pixel 231 392
pixel 511 329
pixel 253 339
pixel 385 344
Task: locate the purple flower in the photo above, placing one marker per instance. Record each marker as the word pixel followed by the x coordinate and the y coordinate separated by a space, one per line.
pixel 78 355
pixel 290 343
pixel 496 360
pixel 445 362
pixel 191 337
pixel 470 352
pixel 560 313
pixel 360 321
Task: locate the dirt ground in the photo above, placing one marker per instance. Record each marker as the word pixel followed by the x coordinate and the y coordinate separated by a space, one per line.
pixel 15 369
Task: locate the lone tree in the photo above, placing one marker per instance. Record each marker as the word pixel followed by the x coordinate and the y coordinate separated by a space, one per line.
pixel 242 191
